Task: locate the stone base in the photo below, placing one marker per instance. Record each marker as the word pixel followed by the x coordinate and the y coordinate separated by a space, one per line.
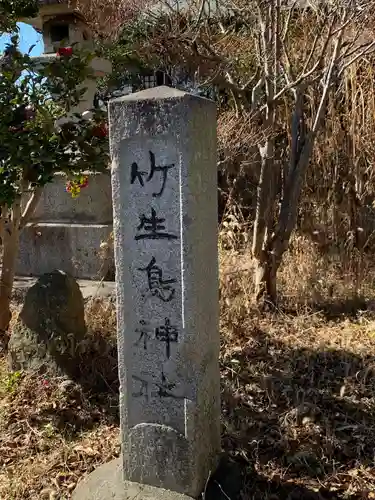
pixel 72 248
pixel 106 483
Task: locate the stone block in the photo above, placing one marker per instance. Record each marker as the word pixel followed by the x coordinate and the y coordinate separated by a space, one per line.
pixel 94 204
pixel 106 483
pixel 73 248
pixel 164 178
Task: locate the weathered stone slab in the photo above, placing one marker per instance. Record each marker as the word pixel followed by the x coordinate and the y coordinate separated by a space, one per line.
pixel 73 248
pixel 164 180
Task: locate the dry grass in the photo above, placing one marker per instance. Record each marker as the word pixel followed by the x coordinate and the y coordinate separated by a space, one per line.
pixel 299 384
pixel 298 393
pixel 52 432
pixel 298 405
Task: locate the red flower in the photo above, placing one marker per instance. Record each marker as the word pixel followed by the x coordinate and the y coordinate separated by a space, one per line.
pixel 100 130
pixel 84 183
pixel 65 51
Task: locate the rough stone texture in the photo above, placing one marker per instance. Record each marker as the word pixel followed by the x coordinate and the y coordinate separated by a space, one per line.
pixel 94 204
pixel 66 233
pixel 73 248
pixel 49 327
pixel 106 483
pixel 167 286
pixel 89 288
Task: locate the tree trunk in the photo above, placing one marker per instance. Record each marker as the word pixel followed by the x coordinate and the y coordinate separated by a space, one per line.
pixel 11 224
pixel 11 233
pixel 265 271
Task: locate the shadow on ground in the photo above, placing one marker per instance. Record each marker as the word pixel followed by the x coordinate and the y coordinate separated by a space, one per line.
pixel 333 309
pixel 79 402
pixel 233 481
pixel 299 422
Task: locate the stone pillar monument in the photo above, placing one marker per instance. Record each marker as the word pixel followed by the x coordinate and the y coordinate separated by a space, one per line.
pixel 164 180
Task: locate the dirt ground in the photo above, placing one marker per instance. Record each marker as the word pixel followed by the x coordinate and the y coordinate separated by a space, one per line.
pixel 298 406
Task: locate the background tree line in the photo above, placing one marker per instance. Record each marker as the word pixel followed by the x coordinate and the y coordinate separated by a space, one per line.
pixel 294 85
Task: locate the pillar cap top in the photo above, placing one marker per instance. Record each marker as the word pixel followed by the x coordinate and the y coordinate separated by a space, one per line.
pixel 157 93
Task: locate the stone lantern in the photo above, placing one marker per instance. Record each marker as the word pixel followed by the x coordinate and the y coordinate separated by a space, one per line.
pixel 63 233
pixel 62 25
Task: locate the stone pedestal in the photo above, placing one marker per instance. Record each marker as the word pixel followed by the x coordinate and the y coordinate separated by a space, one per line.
pixel 107 483
pixel 67 233
pixel 164 179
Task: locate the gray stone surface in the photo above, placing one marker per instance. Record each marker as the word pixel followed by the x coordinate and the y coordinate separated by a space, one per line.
pixel 94 204
pixel 73 248
pixel 164 179
pixel 89 288
pixel 66 233
pixel 50 326
pixel 106 483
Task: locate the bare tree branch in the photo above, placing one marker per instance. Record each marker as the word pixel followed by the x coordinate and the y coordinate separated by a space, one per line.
pixel 365 50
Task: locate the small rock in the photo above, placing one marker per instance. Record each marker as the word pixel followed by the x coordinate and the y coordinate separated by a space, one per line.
pixel 50 327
